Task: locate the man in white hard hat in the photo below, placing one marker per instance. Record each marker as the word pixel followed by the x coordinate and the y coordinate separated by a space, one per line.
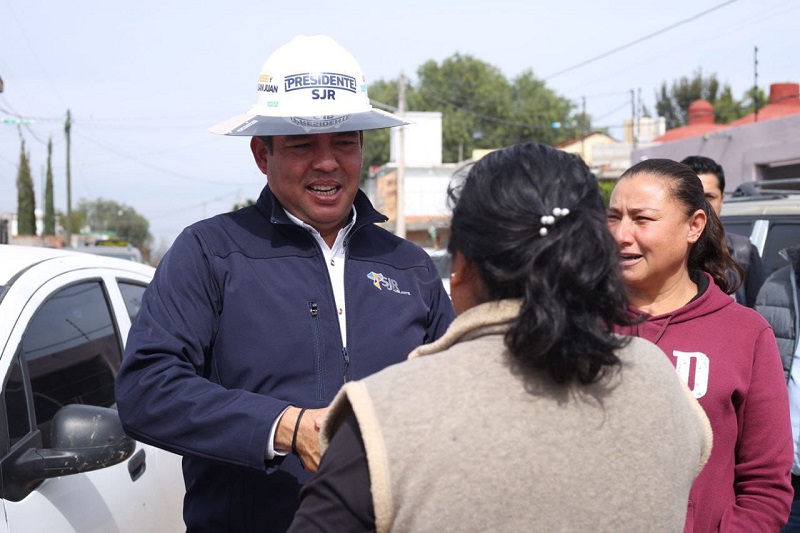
pixel 256 318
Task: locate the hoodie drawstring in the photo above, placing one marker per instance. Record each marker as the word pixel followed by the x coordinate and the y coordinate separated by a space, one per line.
pixel 663 329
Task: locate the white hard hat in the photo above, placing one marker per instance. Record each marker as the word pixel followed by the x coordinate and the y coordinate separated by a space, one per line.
pixel 309 85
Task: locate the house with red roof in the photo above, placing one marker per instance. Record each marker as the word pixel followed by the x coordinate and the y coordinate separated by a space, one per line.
pixel 783 101
pixel 763 145
pixel 701 122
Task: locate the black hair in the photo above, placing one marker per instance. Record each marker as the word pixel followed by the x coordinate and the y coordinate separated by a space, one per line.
pixel 705 165
pixel 568 280
pixel 267 140
pixel 710 253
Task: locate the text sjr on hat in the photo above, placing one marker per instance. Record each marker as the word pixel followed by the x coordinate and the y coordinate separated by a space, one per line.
pixel 309 85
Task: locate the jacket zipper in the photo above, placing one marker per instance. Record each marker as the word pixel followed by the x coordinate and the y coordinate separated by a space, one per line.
pixel 313 311
pixel 346 363
pixel 345 354
pixel 313 307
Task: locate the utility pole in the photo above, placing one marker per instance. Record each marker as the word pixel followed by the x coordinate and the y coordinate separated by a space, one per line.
pixel 755 83
pixel 43 186
pixel 633 118
pixel 584 133
pixel 400 214
pixel 638 130
pixel 68 228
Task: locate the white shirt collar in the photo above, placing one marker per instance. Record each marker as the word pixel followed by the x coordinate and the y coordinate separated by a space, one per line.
pixel 337 245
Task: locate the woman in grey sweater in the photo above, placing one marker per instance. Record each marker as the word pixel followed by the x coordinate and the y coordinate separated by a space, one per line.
pixel 529 414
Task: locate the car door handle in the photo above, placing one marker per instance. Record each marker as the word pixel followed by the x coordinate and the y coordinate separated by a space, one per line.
pixel 137 465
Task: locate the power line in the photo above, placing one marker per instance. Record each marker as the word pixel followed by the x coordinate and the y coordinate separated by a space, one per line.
pixel 12 163
pixel 117 120
pixel 606 95
pixel 497 120
pixel 155 167
pixel 621 106
pixel 51 85
pixel 489 118
pixel 639 40
pixel 185 208
pixel 30 118
pixel 686 44
pixel 25 124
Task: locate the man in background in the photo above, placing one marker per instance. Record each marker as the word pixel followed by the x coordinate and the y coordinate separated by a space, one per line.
pixel 739 246
pixel 779 301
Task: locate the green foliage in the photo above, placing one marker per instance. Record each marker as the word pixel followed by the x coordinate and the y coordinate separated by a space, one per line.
pixel 246 203
pixel 49 207
pixel 605 190
pixel 748 104
pixel 26 201
pixel 109 216
pixel 673 103
pixel 472 96
pixel 480 108
pixel 537 108
pixel 376 142
pixel 77 222
pixel 727 108
pixel 375 150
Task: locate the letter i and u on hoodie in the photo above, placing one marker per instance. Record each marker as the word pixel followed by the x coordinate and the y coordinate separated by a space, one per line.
pixel 727 355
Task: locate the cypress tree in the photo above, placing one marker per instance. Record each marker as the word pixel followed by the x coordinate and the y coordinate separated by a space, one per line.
pixel 26 202
pixel 49 207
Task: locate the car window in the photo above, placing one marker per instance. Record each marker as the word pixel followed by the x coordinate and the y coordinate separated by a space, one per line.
pixel 442 262
pixel 16 407
pixel 781 235
pixel 132 293
pixel 743 227
pixel 72 351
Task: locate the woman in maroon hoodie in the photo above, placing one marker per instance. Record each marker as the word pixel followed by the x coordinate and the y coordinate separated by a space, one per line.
pixel 673 262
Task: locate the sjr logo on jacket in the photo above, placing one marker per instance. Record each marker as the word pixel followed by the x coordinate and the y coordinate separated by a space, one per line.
pixel 684 363
pixel 384 282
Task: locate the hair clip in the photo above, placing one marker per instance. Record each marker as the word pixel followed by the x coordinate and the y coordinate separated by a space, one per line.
pixel 549 220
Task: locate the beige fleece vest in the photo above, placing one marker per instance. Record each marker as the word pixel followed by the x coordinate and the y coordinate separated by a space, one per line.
pixel 456 441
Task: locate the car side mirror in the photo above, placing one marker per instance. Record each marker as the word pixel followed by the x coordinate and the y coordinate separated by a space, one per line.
pixel 83 437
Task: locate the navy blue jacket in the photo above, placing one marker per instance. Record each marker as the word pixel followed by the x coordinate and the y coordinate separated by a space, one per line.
pixel 746 254
pixel 779 302
pixel 238 324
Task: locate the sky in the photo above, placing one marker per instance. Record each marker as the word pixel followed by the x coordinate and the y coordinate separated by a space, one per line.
pixel 145 80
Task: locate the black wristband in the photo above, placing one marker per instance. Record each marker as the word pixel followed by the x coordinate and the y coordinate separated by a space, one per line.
pixel 296 427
